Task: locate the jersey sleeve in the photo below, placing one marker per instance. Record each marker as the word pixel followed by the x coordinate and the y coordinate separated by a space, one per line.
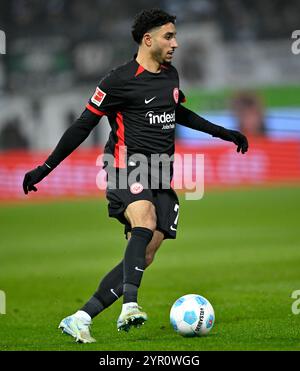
pixel 108 96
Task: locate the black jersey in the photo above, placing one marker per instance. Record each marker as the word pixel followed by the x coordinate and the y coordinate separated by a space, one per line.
pixel 140 106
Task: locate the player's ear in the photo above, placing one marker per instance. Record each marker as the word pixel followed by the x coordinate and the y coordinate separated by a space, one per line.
pixel 147 39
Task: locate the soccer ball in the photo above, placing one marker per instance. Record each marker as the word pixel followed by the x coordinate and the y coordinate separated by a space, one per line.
pixel 192 315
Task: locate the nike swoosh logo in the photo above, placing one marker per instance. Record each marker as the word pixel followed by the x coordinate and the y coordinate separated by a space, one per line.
pixel 149 100
pixel 172 228
pixel 113 292
pixel 138 269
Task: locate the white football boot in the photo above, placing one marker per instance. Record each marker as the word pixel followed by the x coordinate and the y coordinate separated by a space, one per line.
pixel 78 328
pixel 131 315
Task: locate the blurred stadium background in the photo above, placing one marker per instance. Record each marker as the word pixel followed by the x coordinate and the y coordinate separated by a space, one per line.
pixel 237 69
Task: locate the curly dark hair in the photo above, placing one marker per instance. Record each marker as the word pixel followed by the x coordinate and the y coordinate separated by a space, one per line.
pixel 146 20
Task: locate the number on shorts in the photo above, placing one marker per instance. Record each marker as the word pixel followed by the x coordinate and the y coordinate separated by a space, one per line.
pixel 176 208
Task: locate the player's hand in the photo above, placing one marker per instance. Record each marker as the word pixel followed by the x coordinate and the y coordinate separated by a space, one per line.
pixel 33 177
pixel 237 138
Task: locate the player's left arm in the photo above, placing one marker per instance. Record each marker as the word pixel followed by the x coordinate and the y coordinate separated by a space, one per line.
pixel 190 119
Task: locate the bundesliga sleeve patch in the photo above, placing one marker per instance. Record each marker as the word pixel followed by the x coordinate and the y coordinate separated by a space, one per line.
pixel 98 97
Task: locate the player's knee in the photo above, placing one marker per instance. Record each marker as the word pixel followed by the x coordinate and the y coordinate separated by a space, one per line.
pixel 149 219
pixel 144 216
pixel 150 223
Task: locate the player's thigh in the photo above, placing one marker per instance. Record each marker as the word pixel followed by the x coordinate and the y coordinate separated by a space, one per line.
pixel 141 213
pixel 136 199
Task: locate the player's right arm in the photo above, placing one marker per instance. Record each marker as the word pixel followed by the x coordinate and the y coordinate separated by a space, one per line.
pixel 105 100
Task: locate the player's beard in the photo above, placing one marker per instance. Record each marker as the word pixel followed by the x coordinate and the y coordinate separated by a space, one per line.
pixel 158 55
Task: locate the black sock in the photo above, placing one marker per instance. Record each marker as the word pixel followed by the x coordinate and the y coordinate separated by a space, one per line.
pixel 109 290
pixel 134 262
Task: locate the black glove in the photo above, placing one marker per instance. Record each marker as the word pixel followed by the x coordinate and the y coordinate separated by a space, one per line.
pixel 236 137
pixel 33 177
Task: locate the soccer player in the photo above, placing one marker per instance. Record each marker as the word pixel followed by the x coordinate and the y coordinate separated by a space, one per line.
pixel 142 101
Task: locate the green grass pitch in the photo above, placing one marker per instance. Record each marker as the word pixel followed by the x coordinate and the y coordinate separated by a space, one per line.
pixel 240 249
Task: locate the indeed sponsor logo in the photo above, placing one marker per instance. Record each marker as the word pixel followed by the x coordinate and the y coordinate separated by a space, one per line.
pixel 160 119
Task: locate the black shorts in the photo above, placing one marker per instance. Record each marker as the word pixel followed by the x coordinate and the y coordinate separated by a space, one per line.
pixel 165 201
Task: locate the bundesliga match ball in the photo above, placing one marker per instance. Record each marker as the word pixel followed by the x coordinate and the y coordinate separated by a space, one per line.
pixel 192 315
